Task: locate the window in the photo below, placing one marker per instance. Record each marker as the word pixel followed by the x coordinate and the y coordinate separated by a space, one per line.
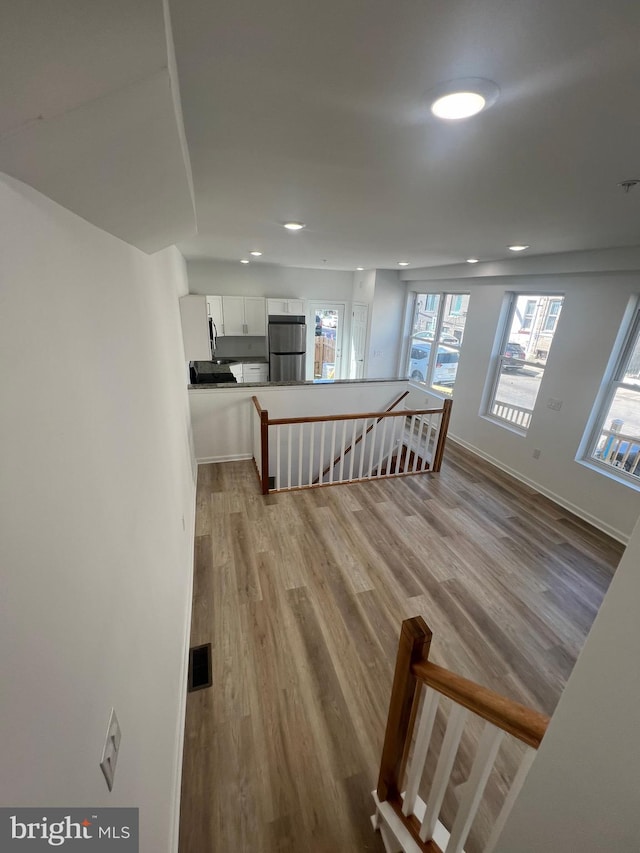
pixel 437 317
pixel 529 312
pixel 615 442
pixel 553 312
pixel 531 324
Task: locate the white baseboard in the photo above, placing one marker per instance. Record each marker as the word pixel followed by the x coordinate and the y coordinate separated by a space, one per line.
pixel 206 460
pixel 184 677
pixel 565 504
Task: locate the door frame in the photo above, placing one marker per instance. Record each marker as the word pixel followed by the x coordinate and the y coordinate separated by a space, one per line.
pixel 327 305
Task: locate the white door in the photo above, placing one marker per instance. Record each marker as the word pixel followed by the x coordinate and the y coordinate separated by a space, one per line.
pixel 359 321
pixel 325 328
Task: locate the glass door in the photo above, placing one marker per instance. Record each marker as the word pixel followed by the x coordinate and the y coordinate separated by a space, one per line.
pixel 325 331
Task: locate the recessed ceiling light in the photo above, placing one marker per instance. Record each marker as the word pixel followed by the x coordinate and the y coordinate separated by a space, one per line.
pixel 244 261
pixel 517 248
pixel 294 226
pixel 255 254
pixel 463 98
pixel 472 260
pixel 359 269
pixel 403 263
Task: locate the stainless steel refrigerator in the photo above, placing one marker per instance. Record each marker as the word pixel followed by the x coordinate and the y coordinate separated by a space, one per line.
pixel 287 347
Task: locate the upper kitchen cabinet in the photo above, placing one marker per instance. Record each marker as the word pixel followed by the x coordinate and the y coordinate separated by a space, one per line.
pixel 285 306
pixel 214 311
pixel 244 315
pixel 195 328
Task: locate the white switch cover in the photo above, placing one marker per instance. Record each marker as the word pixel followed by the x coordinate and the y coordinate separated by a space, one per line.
pixel 111 749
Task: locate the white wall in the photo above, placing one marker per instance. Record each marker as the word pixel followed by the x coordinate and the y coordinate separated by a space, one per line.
pixel 222 417
pixel 582 791
pixel 263 279
pixel 97 515
pixel 589 324
pixel 386 323
pixel 364 286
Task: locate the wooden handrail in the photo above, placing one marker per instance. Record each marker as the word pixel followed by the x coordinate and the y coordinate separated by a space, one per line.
pixel 359 438
pixel 407 413
pixel 255 402
pixel 413 669
pixel 523 723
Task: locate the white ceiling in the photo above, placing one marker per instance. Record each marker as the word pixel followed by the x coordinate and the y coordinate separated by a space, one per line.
pixel 88 115
pixel 316 110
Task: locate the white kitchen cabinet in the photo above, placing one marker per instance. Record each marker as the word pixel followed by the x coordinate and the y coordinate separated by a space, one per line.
pixel 254 315
pixel 255 372
pixel 244 315
pixel 250 371
pixel 195 328
pixel 285 306
pixel 233 315
pixel 214 310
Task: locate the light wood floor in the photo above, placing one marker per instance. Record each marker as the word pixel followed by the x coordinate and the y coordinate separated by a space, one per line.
pixel 302 595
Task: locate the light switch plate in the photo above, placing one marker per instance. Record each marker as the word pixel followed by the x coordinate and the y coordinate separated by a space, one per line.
pixel 554 404
pixel 111 749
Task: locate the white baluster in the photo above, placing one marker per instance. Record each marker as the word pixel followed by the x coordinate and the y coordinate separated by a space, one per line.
pixel 374 433
pixel 300 448
pixel 423 737
pixel 414 442
pixel 428 441
pixel 333 450
pixel 399 424
pixel 312 451
pixel 455 725
pixel 487 750
pixel 278 456
pixel 352 452
pixel 322 435
pixel 382 443
pixel 514 790
pixel 343 441
pixel 362 447
pixel 289 456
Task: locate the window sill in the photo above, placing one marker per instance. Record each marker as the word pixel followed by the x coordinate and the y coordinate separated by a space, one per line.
pixel 612 473
pixel 516 430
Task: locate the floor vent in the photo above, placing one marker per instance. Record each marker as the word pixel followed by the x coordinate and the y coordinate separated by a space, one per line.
pixel 199 667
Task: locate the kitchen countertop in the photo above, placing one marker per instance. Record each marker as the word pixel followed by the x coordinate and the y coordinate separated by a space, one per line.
pixel 291 382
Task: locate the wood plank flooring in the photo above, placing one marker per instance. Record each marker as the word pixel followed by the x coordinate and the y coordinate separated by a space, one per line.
pixel 302 595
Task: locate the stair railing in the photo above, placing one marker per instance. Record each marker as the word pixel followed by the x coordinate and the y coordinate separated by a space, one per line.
pixel 405 820
pixel 359 438
pixel 296 449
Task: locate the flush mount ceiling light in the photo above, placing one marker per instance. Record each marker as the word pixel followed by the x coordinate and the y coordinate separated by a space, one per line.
pixel 518 248
pixel 457 99
pixel 294 226
pixel 403 263
pixel 256 254
pixel 359 269
pixel 244 261
pixel 472 260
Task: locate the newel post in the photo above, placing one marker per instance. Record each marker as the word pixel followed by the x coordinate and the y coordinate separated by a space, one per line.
pixel 264 451
pixel 442 435
pixel 415 640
